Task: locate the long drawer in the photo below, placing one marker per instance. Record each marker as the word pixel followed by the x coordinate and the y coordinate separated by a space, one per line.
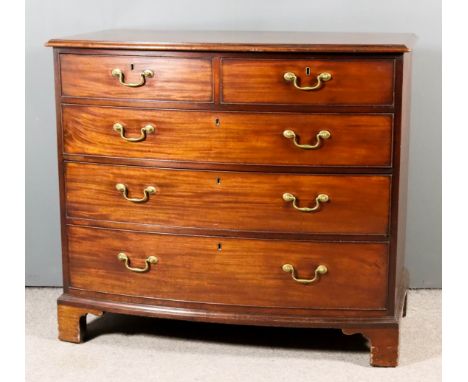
pixel 229 271
pixel 244 201
pixel 229 137
pixel 136 77
pixel 337 81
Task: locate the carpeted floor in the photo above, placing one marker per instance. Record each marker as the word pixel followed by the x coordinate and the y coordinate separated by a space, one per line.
pixel 124 348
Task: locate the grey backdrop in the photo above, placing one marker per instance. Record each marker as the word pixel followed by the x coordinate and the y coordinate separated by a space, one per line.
pixel 46 19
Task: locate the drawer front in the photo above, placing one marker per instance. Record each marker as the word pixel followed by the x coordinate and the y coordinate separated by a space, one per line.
pixel 352 82
pixel 238 138
pixel 229 271
pixel 229 200
pixel 173 79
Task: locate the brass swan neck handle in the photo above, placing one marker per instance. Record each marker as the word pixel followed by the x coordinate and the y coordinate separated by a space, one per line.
pixel 143 76
pixel 146 193
pixel 119 127
pixel 320 270
pixel 321 78
pixel 321 198
pixel 321 135
pixel 149 260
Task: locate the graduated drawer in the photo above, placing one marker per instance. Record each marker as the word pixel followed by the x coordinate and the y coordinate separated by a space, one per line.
pixel 229 137
pixel 172 79
pixel 229 271
pixel 352 82
pixel 245 201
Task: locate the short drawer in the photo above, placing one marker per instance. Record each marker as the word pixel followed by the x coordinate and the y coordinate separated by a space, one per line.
pixel 245 201
pixel 229 137
pixel 141 77
pixel 330 81
pixel 229 271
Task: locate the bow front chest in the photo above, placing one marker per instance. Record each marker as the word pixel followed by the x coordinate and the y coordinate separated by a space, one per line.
pixel 242 178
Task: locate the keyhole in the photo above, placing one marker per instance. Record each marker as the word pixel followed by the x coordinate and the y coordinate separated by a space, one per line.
pixel 132 66
pixel 307 71
pixel 220 247
pixel 218 180
pixel 217 122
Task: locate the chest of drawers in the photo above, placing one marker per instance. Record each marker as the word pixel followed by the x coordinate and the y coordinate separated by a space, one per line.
pixel 242 178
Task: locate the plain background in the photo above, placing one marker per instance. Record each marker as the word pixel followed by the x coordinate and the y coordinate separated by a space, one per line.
pixel 47 19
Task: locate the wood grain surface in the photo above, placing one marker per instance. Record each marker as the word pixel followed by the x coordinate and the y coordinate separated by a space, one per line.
pixel 240 41
pixel 72 322
pixel 229 200
pixel 220 164
pixel 383 343
pixel 175 79
pixel 353 82
pixel 230 271
pixel 229 137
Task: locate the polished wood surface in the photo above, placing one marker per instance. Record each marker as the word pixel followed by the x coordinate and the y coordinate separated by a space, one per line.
pixel 174 79
pixel 353 82
pixel 230 271
pixel 240 41
pixel 72 322
pixel 229 137
pixel 383 344
pixel 227 200
pixel 220 164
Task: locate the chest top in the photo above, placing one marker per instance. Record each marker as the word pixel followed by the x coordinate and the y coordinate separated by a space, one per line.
pixel 231 41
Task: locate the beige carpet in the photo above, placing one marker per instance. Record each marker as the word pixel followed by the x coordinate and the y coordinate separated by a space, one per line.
pixel 124 348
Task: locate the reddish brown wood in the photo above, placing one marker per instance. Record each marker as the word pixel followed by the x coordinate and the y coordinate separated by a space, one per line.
pixel 59 131
pixel 220 137
pixel 239 41
pixel 254 108
pixel 209 312
pixel 271 235
pixel 227 200
pixel 230 271
pixel 228 314
pixel 72 322
pixel 236 167
pixel 369 99
pixel 383 343
pixel 174 79
pixel 353 82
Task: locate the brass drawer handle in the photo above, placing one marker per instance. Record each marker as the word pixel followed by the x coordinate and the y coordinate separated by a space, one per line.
pixel 321 78
pixel 322 134
pixel 321 198
pixel 149 260
pixel 320 270
pixel 148 129
pixel 144 74
pixel 147 191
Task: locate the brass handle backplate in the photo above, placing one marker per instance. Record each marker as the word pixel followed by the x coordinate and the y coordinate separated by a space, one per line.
pixel 321 78
pixel 322 134
pixel 320 270
pixel 321 198
pixel 147 192
pixel 144 75
pixel 148 129
pixel 149 260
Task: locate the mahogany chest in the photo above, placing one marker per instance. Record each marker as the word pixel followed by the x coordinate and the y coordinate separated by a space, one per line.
pixel 242 178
